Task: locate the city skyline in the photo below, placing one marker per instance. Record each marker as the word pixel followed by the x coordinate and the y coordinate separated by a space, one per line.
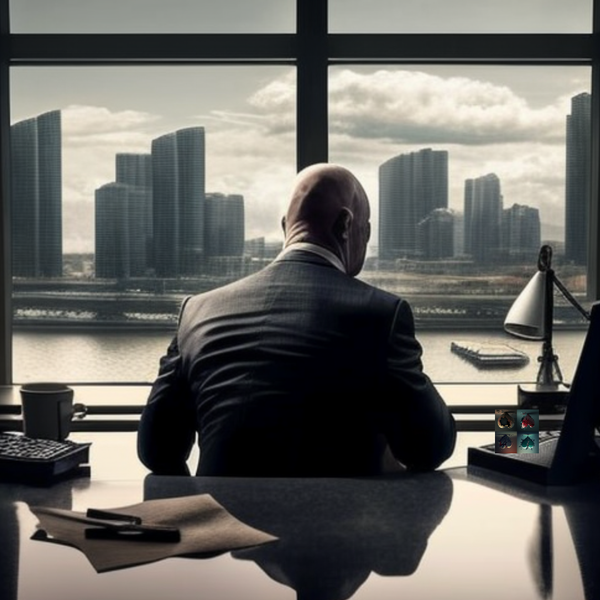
pixel 415 222
pixel 507 120
pixel 155 214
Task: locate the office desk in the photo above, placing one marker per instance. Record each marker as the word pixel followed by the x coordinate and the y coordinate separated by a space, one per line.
pixel 448 534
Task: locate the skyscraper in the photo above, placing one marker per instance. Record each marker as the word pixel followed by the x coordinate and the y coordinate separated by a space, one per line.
pixel 521 232
pixel 120 238
pixel 410 187
pixel 483 218
pixel 36 192
pixel 178 176
pixel 135 171
pixel 224 232
pixel 436 235
pixel 112 256
pixel 578 179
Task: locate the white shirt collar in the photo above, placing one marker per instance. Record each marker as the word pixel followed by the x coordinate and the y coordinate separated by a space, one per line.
pixel 322 252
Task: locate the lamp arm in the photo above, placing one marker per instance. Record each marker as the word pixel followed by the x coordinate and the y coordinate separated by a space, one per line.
pixel 549 372
pixel 565 292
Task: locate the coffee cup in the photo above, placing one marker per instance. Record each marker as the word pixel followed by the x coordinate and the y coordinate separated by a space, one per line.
pixel 48 409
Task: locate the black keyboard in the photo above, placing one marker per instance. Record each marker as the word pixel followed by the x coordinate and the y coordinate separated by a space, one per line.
pixel 39 461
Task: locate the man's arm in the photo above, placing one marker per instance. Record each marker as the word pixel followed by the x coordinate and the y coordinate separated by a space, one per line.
pixel 167 426
pixel 419 427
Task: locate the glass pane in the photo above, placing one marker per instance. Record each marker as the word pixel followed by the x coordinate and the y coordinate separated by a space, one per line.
pixel 127 196
pixel 460 16
pixel 469 169
pixel 152 16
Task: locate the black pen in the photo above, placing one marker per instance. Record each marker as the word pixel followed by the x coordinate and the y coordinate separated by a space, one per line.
pixel 134 533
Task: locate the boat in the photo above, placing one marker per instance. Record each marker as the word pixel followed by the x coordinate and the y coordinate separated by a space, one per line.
pixel 490 356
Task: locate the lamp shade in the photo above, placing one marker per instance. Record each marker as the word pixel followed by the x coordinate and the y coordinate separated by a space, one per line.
pixel 527 316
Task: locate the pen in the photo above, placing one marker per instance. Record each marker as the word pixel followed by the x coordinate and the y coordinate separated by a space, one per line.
pixel 117 526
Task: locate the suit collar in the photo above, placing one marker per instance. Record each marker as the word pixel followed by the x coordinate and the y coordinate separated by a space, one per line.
pixel 313 249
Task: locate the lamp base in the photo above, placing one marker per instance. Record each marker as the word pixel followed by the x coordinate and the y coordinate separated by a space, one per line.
pixel 547 398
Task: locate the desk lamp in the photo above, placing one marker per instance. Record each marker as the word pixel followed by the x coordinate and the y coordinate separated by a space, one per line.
pixel 531 318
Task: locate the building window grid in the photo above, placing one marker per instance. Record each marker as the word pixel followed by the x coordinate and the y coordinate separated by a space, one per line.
pixel 311 50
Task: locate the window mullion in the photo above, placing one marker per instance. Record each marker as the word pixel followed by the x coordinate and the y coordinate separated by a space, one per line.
pixel 5 248
pixel 150 48
pixel 312 122
pixel 593 269
pixel 451 48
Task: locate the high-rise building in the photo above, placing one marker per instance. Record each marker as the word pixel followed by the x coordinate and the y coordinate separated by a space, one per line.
pixel 521 232
pixel 483 218
pixel 435 235
pixel 578 179
pixel 224 232
pixel 178 198
pixel 112 256
pixel 135 170
pixel 410 187
pixel 36 192
pixel 459 233
pixel 120 241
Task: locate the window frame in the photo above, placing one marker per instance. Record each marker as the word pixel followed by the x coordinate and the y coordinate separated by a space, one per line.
pixel 311 50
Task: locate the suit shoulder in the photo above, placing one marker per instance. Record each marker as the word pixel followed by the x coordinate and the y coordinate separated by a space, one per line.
pixel 378 294
pixel 231 288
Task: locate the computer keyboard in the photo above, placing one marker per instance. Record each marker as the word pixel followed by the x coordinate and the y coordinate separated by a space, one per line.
pixel 39 461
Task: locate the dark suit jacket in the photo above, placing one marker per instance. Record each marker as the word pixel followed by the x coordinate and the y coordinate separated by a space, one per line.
pixel 295 370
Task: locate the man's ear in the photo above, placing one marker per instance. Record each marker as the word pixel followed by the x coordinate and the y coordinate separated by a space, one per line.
pixel 342 225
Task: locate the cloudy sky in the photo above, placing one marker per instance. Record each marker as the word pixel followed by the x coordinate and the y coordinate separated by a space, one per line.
pixel 506 120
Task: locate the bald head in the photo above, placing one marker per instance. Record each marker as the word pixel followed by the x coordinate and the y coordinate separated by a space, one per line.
pixel 329 207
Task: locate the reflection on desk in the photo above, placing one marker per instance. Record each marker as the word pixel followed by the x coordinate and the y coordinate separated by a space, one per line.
pixel 438 535
pixel 333 533
pixel 579 505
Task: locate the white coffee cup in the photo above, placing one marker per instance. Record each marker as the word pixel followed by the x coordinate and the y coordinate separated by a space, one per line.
pixel 48 409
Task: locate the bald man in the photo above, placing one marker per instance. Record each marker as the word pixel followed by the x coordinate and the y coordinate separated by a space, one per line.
pixel 299 369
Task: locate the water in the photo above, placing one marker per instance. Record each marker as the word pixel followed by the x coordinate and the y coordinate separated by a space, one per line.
pixel 133 356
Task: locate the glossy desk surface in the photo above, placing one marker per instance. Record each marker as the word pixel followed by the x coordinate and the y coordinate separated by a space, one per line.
pixel 449 534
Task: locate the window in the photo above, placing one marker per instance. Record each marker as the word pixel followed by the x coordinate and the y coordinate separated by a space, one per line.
pixel 124 135
pixel 467 170
pixel 465 16
pixel 141 169
pixel 152 16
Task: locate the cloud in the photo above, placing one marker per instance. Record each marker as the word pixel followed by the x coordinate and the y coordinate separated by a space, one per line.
pixel 413 106
pixel 406 106
pixel 97 127
pixel 278 100
pixel 224 118
pixel 80 120
pixel 243 160
pixel 91 137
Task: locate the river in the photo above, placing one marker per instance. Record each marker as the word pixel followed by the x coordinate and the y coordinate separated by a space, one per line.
pixel 132 356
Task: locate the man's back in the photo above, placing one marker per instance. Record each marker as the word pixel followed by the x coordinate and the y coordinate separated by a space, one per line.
pixel 289 370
